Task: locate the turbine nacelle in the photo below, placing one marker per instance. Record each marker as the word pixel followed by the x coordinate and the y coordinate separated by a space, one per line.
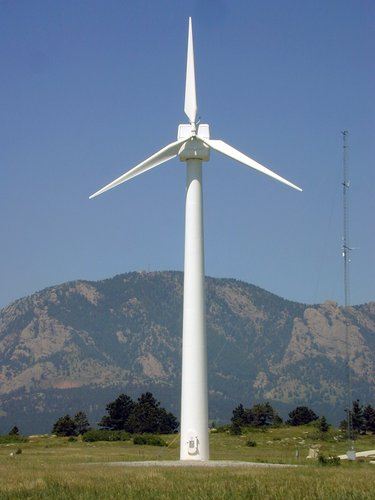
pixel 194 148
pixel 186 130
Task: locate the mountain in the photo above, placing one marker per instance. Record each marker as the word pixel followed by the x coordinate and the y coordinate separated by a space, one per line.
pixel 78 345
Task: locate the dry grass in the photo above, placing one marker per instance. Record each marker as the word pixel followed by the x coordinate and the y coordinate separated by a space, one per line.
pixel 53 468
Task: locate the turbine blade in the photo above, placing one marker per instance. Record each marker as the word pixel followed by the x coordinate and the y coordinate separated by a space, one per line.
pixel 156 159
pixel 190 93
pixel 227 150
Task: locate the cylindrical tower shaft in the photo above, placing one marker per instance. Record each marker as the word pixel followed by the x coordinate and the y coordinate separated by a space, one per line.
pixel 194 395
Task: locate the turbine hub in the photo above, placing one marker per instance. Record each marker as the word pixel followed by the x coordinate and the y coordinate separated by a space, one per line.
pixel 194 149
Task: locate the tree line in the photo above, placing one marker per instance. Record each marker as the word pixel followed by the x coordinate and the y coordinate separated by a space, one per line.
pixel 145 415
pixel 363 418
pixel 123 414
pixel 263 415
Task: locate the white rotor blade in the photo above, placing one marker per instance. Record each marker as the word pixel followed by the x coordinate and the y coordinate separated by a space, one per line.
pixel 227 150
pixel 156 159
pixel 190 93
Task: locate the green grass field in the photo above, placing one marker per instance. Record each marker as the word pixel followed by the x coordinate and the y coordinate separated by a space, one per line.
pixel 51 467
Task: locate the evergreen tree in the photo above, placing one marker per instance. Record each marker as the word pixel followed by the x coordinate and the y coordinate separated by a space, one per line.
pixel 323 425
pixel 118 411
pixel 301 415
pixel 369 418
pixel 65 426
pixel 81 422
pixel 357 417
pixel 239 416
pixel 264 415
pixel 147 416
pixel 167 422
pixel 249 416
pixel 343 425
pixel 144 417
pixel 14 431
pixel 259 415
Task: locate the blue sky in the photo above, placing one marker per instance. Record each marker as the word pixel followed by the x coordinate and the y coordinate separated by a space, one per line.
pixel 90 88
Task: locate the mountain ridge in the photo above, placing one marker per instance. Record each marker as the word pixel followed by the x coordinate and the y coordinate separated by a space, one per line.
pixel 76 344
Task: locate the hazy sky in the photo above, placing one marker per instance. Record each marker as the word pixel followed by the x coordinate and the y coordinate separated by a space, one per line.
pixel 90 88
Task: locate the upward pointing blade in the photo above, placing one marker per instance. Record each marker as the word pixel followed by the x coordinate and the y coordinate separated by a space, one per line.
pixel 190 93
pixel 156 159
pixel 227 150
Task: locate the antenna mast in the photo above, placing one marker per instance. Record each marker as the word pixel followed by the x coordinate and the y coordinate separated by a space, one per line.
pixel 346 254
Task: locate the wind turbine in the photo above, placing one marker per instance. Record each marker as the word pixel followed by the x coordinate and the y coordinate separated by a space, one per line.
pixel 193 147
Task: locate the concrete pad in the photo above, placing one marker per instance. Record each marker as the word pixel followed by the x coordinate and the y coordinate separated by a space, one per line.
pixel 369 453
pixel 191 463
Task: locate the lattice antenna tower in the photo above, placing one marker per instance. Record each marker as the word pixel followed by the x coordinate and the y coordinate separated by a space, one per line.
pixel 346 255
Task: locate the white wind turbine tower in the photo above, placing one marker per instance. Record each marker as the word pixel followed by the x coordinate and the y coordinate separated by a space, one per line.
pixel 193 146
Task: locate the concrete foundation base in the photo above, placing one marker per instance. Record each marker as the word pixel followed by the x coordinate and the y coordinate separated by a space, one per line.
pixel 191 463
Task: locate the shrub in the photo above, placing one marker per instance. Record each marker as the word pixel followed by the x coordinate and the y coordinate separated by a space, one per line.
pixel 105 435
pixel 235 429
pixel 72 439
pixel 12 439
pixel 150 440
pixel 251 443
pixel 323 460
pixel 139 440
pixel 157 441
pixel 223 428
